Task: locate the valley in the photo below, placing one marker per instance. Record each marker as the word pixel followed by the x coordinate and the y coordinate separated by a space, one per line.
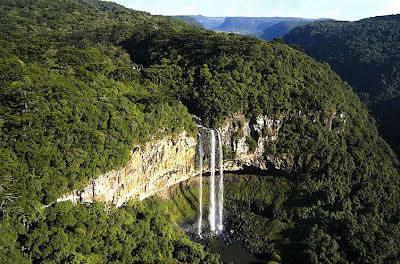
pixel 125 137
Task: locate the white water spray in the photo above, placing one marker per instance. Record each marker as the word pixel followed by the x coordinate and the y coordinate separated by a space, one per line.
pixel 211 216
pixel 220 224
pixel 201 185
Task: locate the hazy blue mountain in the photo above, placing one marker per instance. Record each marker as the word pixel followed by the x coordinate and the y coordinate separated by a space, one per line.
pixel 250 25
pixel 209 22
pixel 254 26
pixel 283 28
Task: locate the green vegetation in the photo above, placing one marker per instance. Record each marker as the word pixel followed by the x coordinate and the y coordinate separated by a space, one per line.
pixel 272 217
pixel 252 144
pixel 364 53
pixel 189 20
pixel 259 213
pixel 283 28
pixel 184 203
pixel 70 111
pixel 82 82
pixel 140 232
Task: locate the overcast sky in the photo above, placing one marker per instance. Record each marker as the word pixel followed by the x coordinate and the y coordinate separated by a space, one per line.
pixel 337 9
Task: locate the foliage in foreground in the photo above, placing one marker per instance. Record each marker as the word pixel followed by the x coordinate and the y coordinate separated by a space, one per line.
pixel 140 232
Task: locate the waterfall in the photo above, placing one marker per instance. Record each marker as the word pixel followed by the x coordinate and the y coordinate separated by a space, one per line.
pixel 211 216
pixel 215 221
pixel 201 185
pixel 220 225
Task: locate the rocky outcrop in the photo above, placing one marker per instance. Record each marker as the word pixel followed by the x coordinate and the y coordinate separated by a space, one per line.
pixel 245 140
pixel 156 166
pixel 166 162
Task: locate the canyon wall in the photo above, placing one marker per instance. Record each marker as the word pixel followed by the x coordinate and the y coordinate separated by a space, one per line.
pixel 245 140
pixel 158 165
pixel 166 162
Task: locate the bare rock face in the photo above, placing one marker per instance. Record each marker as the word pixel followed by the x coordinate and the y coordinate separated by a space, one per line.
pixel 244 141
pixel 163 163
pixel 157 166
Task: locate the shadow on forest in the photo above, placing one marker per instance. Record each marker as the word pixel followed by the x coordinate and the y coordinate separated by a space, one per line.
pixel 190 202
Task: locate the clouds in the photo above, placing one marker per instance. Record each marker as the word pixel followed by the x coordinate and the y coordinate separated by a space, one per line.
pixel 337 9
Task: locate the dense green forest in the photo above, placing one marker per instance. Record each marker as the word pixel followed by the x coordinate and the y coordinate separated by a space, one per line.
pixel 82 82
pixel 364 53
pixel 189 20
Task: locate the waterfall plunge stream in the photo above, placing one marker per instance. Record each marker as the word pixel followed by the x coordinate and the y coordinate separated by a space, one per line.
pixel 211 216
pixel 216 222
pixel 220 225
pixel 201 185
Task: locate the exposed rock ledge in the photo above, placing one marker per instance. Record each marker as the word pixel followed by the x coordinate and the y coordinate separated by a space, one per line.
pixel 159 165
pixel 166 162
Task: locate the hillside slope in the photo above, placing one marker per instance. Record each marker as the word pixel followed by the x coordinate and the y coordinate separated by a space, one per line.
pixel 190 20
pixel 282 28
pixel 83 82
pixel 366 54
pixel 250 25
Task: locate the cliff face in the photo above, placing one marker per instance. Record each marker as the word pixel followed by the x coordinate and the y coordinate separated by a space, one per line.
pixel 157 166
pixel 163 163
pixel 245 140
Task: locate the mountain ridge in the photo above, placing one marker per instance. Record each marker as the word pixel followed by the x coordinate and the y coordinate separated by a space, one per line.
pixel 365 53
pixel 253 26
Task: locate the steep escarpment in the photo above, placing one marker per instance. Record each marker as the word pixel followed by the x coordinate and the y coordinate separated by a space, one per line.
pixel 281 29
pixel 365 54
pixel 159 165
pixel 84 82
pixel 162 163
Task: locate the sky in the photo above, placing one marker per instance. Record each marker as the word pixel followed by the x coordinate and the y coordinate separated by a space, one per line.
pixel 336 9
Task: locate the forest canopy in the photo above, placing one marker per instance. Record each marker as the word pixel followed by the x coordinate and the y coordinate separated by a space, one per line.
pixel 82 82
pixel 366 54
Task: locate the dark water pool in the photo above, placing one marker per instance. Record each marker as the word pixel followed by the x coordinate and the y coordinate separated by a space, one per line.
pixel 234 254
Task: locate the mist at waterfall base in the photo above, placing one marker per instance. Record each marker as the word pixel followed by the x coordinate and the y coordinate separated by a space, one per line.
pixel 214 231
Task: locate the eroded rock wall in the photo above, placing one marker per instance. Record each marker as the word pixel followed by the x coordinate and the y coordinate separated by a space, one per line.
pixel 237 132
pixel 157 166
pixel 166 162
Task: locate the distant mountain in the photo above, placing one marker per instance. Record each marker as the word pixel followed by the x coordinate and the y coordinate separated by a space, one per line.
pixel 250 25
pixel 209 22
pixel 190 20
pixel 366 54
pixel 206 22
pixel 283 28
pixel 264 27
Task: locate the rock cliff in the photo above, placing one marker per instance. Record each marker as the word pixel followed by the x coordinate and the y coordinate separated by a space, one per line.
pixel 166 162
pixel 156 166
pixel 244 141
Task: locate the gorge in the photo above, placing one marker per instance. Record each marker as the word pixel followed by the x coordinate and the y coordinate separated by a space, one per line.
pixel 166 162
pixel 99 110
